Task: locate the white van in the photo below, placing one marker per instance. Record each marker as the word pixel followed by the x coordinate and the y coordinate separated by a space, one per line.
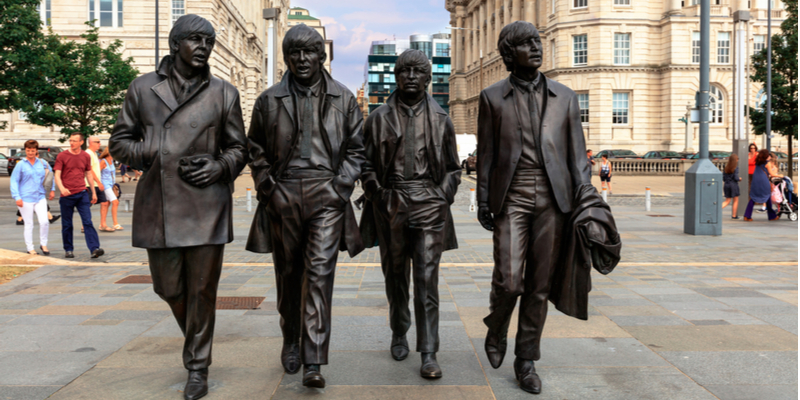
pixel 465 144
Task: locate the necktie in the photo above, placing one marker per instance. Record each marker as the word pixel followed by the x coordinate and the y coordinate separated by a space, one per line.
pixel 535 117
pixel 184 92
pixel 308 122
pixel 408 167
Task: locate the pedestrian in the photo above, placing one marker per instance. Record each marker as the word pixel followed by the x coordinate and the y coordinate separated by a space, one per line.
pixel 28 191
pixel 731 189
pixel 772 167
pixel 605 173
pixel 760 189
pixel 108 176
pixel 123 171
pixel 72 167
pixel 590 159
pixel 98 187
pixel 752 152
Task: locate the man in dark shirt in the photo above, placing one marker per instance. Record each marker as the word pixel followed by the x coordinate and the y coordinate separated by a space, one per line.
pixel 590 159
pixel 73 171
pixel 410 179
pixel 306 148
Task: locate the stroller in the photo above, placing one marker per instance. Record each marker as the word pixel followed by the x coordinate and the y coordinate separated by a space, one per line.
pixel 788 201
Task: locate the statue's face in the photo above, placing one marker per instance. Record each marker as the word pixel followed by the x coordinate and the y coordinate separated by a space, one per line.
pixel 529 52
pixel 196 49
pixel 305 63
pixel 412 79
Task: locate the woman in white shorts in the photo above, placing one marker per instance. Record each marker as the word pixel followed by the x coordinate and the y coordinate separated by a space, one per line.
pixel 108 175
pixel 28 191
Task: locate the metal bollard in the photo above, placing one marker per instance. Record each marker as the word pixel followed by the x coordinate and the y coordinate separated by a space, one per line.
pixel 605 195
pixel 127 205
pixel 472 207
pixel 647 198
pixel 249 199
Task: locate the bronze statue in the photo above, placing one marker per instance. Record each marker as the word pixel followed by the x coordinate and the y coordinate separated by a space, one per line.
pixel 306 147
pixel 183 128
pixel 533 190
pixel 410 179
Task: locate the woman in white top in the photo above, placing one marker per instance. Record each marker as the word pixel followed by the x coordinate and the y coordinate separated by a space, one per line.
pixel 605 173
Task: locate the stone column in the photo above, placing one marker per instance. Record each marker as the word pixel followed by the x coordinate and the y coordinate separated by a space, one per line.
pixel 529 13
pixel 506 15
pixel 515 9
pixel 482 32
pixel 498 23
pixel 455 51
pixel 473 36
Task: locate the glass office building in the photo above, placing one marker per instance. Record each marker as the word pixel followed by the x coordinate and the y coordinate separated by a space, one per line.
pixel 379 70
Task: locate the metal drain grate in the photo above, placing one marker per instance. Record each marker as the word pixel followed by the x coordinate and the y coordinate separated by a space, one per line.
pixel 238 303
pixel 136 279
pixel 661 215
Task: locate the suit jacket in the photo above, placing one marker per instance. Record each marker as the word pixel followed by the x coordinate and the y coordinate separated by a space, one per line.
pixel 561 145
pixel 590 240
pixel 153 132
pixel 382 132
pixel 272 136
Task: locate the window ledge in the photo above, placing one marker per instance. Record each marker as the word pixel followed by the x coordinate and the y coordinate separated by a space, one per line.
pixel 579 65
pixel 579 10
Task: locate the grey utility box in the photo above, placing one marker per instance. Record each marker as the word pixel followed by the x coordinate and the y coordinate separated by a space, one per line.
pixel 703 202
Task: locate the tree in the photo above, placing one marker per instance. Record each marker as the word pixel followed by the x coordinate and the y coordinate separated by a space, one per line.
pixel 79 86
pixel 20 46
pixel 784 79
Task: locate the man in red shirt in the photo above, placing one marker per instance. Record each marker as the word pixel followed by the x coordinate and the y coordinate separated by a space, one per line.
pixel 71 168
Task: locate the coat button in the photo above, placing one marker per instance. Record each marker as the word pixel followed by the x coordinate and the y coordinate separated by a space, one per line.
pixel 191 150
pixel 168 125
pixel 194 124
pixel 165 151
pixel 288 138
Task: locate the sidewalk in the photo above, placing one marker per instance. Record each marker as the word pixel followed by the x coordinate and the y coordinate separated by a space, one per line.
pixel 682 317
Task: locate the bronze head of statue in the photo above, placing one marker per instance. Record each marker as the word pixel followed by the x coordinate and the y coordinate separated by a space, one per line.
pixel 521 48
pixel 191 42
pixel 304 51
pixel 412 71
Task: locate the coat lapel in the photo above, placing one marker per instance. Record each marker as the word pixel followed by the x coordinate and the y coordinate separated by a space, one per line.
pixel 164 92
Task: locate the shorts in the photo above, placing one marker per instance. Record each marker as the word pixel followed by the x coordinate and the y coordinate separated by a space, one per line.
pixel 109 192
pixel 605 178
pixel 101 197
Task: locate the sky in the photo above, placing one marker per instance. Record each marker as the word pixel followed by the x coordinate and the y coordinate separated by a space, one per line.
pixel 353 25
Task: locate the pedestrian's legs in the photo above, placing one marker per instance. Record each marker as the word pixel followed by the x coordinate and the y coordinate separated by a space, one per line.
pixel 609 186
pixel 771 214
pixel 726 202
pixel 67 205
pixel 103 214
pixel 748 211
pixel 26 211
pixel 735 209
pixel 114 208
pixel 44 223
pixel 84 210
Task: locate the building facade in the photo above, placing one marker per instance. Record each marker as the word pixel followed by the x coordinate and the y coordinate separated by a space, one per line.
pixel 239 54
pixel 379 69
pixel 299 16
pixel 634 64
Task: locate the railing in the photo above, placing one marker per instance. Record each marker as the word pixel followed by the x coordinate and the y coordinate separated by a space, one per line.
pixel 665 167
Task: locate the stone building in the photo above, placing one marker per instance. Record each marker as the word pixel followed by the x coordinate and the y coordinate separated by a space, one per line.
pixel 299 16
pixel 634 64
pixel 239 54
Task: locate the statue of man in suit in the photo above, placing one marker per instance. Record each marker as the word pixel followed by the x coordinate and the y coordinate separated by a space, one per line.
pixel 183 127
pixel 306 149
pixel 531 164
pixel 410 179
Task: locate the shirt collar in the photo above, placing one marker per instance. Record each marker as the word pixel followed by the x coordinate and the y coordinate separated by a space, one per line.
pixel 418 108
pixel 523 84
pixel 301 89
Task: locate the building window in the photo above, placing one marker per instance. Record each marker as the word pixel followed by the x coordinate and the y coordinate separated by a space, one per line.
pixel 696 47
pixel 622 48
pixel 759 43
pixel 580 3
pixel 424 47
pixel 761 100
pixel 553 52
pixel 442 50
pixel 579 50
pixel 716 104
pixel 622 2
pixel 22 116
pixel 583 104
pixel 106 13
pixel 723 47
pixel 45 9
pixel 620 108
pixel 552 6
pixel 178 9
pixel 383 49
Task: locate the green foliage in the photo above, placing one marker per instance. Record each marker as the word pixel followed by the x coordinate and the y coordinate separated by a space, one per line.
pixel 78 86
pixel 784 78
pixel 20 46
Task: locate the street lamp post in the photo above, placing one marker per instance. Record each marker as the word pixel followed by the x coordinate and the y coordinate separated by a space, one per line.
pixel 156 35
pixel 271 14
pixel 769 79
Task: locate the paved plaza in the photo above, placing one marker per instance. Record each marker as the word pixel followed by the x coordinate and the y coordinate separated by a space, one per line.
pixel 681 317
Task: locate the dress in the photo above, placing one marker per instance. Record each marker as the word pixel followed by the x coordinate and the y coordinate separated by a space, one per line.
pixel 760 188
pixel 731 188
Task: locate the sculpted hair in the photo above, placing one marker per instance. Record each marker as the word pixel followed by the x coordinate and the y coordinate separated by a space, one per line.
pixel 303 37
pixel 510 37
pixel 31 144
pixel 413 58
pixel 731 166
pixel 186 26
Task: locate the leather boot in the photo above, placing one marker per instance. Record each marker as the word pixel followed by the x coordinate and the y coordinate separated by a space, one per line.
pixel 312 377
pixel 399 347
pixel 290 358
pixel 196 384
pixel 526 375
pixel 495 347
pixel 430 367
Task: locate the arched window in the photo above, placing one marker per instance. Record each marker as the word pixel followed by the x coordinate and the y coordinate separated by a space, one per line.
pixel 761 100
pixel 716 104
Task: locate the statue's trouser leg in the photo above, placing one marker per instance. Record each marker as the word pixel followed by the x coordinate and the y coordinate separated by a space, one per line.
pixel 307 218
pixel 187 279
pixel 527 235
pixel 420 237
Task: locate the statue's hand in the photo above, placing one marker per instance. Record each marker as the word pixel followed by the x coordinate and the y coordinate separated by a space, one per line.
pixel 485 218
pixel 201 172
